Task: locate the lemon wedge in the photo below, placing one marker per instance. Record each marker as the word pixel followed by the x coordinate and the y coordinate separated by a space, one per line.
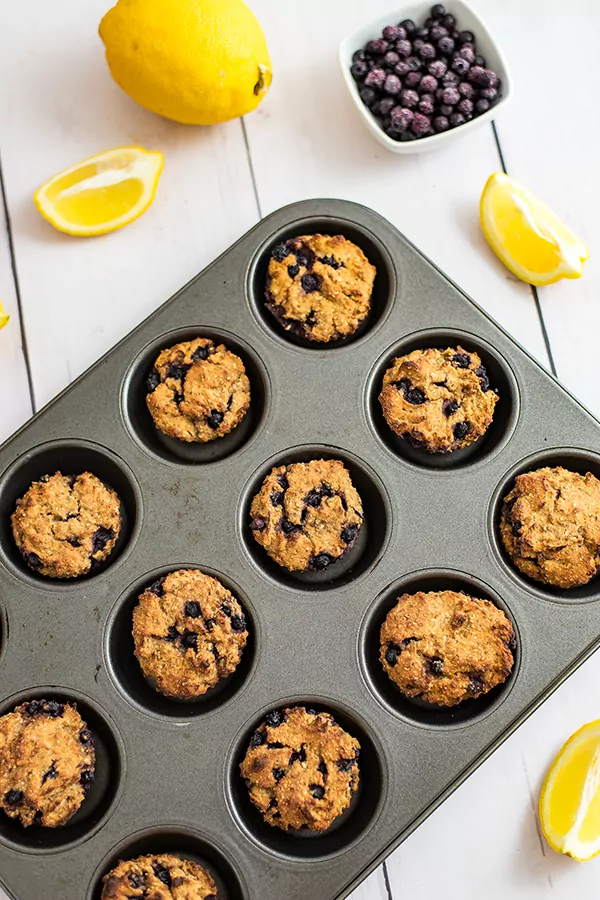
pixel 102 193
pixel 4 317
pixel 570 799
pixel 528 237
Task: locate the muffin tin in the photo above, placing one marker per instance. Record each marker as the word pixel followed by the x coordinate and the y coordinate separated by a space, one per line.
pixel 167 770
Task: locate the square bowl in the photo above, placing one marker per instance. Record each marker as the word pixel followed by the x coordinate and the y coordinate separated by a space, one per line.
pixel 486 46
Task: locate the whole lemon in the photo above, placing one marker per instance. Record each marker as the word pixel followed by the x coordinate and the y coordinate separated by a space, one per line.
pixel 195 61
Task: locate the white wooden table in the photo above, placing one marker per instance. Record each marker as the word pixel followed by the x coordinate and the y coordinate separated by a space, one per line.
pixel 71 300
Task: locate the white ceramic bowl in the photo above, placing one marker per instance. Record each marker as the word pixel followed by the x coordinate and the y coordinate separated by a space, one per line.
pixel 467 20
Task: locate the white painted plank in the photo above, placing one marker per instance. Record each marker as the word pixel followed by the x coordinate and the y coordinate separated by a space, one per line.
pixel 306 140
pixel 15 403
pixel 550 136
pixel 81 296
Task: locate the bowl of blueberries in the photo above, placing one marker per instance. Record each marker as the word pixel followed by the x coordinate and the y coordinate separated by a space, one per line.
pixel 424 75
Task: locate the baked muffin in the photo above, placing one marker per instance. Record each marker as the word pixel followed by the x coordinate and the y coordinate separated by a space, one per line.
pixel 162 876
pixel 189 633
pixel 319 286
pixel 301 769
pixel 66 525
pixel 47 761
pixel 445 647
pixel 438 400
pixel 307 515
pixel 550 526
pixel 197 391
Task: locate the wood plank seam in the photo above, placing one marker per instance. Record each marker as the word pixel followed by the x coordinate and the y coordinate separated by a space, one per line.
pixel 533 288
pixel 251 166
pixel 15 275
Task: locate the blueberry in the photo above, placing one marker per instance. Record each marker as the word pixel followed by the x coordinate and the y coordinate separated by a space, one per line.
pixel 288 527
pixel 436 666
pixel 385 107
pixel 391 33
pixel 192 609
pixel 466 37
pixel 310 282
pixel 274 719
pixel 171 635
pixel 162 874
pixel 375 78
pixel 214 420
pixel 401 69
pixel 377 47
pixel 86 736
pixel 428 84
pixel 426 106
pixel 437 32
pixel 152 381
pixel 392 653
pixel 460 65
pixel 358 56
pixel 480 60
pixel 178 372
pixel 100 539
pixel 489 79
pixel 516 528
pixel 461 430
pixel 412 79
pixel 349 533
pixel 422 34
pixel 280 252
pixel 449 21
pixel 258 523
pixel 189 640
pixel 344 765
pixel 392 85
pixel 441 123
pixel 414 63
pixel 421 125
pixel 45 708
pixel 465 90
pixel 202 352
pixel 368 96
pixel 391 58
pixel 400 118
pixel 86 779
pixel 278 773
pixel 461 360
pixel 12 797
pixel 512 642
pixel 450 96
pixel 490 94
pixel 226 609
pixel 297 756
pixel 475 74
pixel 465 107
pixel 321 561
pixel 438 10
pixel 257 739
pixel 49 774
pixel 417 44
pixel 408 25
pixel 359 70
pixel 238 623
pixel 449 407
pixel 427 51
pixel 445 45
pixel 437 68
pixel 457 119
pixel 409 98
pixel 476 684
pixel 468 54
pixel 322 768
pixel 403 48
pixel 317 791
pixel 412 395
pixel 450 79
pixel 482 105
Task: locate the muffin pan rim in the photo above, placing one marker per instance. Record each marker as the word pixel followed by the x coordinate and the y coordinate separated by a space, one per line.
pixel 538 590
pixel 75 696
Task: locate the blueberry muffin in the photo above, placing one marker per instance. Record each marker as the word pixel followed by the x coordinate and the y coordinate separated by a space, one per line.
pixel 445 647
pixel 438 400
pixel 319 286
pixel 66 525
pixel 301 769
pixel 550 526
pixel 189 632
pixel 197 391
pixel 307 515
pixel 47 761
pixel 159 877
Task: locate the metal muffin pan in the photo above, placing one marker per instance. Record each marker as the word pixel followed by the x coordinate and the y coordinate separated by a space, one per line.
pixel 167 770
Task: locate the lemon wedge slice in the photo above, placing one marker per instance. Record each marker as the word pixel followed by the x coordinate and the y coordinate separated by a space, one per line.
pixel 102 193
pixel 570 799
pixel 4 317
pixel 528 237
